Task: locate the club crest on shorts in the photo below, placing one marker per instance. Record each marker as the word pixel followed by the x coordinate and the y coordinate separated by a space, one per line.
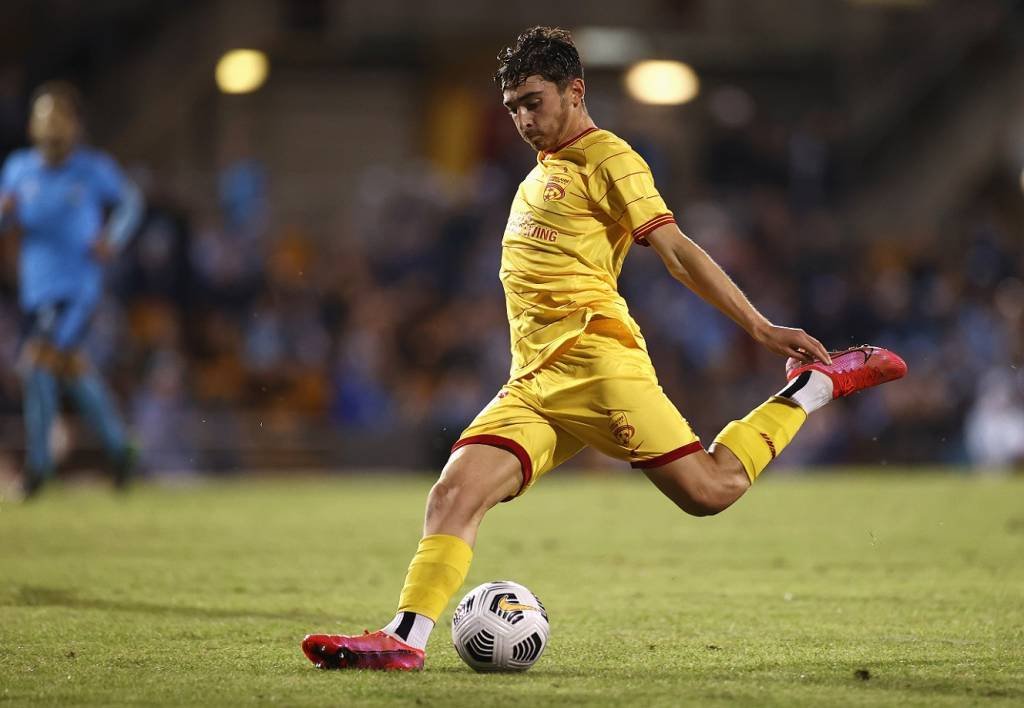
pixel 621 428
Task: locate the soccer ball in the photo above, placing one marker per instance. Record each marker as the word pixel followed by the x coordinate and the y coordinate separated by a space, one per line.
pixel 500 626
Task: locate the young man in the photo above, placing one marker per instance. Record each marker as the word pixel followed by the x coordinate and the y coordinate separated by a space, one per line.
pixel 57 195
pixel 580 371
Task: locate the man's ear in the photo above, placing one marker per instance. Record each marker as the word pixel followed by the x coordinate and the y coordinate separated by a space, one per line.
pixel 577 89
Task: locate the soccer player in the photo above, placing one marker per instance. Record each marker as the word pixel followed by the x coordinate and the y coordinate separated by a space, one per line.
pixel 74 210
pixel 580 370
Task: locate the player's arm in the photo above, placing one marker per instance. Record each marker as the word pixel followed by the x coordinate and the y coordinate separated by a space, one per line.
pixel 127 212
pixel 693 267
pixel 125 217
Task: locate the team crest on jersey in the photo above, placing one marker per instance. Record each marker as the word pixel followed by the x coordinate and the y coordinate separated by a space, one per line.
pixel 554 190
pixel 621 428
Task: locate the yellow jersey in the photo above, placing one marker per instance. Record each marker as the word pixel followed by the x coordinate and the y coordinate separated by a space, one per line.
pixel 572 222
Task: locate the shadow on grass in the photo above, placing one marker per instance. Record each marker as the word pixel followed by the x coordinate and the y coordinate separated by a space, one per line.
pixel 35 596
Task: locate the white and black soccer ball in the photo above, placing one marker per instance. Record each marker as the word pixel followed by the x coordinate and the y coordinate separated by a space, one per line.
pixel 500 626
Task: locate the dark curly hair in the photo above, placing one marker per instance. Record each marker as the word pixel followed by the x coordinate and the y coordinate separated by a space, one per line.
pixel 548 52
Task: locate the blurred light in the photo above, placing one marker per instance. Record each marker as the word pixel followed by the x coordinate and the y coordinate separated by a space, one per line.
pixel 242 71
pixel 662 83
pixel 609 47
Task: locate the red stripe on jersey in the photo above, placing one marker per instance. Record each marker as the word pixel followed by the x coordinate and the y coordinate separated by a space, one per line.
pixel 640 232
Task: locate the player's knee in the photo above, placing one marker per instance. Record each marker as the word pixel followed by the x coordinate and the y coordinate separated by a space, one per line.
pixel 441 497
pixel 703 503
pixel 40 354
pixel 717 494
pixel 691 499
pixel 709 495
pixel 453 495
pixel 476 478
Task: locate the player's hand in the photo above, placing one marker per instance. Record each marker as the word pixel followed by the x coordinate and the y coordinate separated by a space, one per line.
pixel 790 341
pixel 102 251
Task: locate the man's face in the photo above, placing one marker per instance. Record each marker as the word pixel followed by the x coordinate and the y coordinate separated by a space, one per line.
pixel 540 111
pixel 53 127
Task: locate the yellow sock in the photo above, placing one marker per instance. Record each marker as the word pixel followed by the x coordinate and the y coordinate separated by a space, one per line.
pixel 762 434
pixel 436 573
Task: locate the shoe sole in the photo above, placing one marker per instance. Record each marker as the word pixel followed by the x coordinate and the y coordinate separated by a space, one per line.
pixel 345 658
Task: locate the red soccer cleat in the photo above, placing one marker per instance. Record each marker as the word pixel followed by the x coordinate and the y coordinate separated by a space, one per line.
pixel 854 369
pixel 377 651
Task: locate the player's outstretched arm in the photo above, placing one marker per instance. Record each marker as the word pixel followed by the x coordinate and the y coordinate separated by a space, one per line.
pixel 693 267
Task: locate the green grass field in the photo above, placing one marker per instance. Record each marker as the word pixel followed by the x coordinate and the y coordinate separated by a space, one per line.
pixel 847 589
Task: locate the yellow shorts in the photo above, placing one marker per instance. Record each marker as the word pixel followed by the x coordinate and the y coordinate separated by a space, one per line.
pixel 601 390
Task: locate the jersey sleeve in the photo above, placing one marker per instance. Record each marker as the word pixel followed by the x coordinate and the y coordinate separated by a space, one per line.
pixel 108 179
pixel 623 187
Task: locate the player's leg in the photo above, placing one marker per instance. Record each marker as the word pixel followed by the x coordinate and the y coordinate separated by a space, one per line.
pixel 97 406
pixel 40 393
pixel 702 483
pixel 39 368
pixel 475 478
pixel 614 403
pixel 89 391
pixel 498 457
pixel 707 483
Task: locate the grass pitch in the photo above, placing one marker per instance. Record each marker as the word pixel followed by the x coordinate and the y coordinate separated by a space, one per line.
pixel 845 589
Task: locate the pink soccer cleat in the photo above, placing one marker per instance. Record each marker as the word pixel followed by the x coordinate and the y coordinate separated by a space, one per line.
pixel 854 369
pixel 377 651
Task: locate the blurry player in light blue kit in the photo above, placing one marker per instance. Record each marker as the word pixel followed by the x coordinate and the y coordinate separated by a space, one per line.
pixel 74 210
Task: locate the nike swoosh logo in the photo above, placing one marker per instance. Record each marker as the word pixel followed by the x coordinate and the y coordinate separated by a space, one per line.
pixel 505 606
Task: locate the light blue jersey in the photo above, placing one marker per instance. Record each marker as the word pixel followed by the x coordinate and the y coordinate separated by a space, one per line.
pixel 61 211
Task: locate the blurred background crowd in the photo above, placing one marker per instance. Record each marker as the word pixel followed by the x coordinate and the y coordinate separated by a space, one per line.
pixel 315 282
